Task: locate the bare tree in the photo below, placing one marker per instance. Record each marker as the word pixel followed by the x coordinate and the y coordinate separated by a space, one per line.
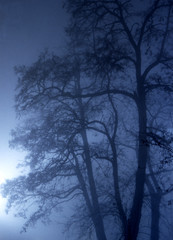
pixel 134 44
pixel 91 109
pixel 56 139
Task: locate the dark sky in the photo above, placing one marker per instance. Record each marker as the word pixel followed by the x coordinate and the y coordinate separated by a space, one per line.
pixel 27 27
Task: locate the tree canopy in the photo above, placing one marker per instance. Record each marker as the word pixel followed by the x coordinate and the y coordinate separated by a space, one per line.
pixel 99 121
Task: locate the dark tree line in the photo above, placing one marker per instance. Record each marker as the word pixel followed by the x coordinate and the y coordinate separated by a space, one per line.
pixel 99 121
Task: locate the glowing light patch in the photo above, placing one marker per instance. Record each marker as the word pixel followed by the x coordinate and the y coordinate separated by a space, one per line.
pixel 8 170
pixel 2 178
pixel 2 200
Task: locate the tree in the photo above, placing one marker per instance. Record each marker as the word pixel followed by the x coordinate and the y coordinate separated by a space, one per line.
pixel 91 112
pixel 59 139
pixel 135 45
pixel 159 173
pixel 56 139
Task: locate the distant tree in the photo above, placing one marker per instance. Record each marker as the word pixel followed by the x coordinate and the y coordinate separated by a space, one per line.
pixel 71 144
pixel 55 135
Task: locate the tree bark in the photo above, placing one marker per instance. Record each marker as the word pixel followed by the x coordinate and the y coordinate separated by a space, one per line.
pixel 155 216
pixel 155 211
pixel 135 214
pixel 156 196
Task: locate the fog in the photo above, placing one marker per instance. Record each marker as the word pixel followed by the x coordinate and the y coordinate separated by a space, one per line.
pixel 86 119
pixel 26 29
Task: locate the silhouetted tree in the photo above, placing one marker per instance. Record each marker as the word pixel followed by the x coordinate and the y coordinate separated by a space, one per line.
pixel 56 139
pixel 89 131
pixel 133 42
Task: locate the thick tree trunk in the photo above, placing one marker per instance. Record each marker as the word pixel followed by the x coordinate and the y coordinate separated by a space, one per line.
pixel 135 214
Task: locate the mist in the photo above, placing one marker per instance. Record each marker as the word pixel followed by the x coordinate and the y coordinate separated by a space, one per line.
pixel 86 123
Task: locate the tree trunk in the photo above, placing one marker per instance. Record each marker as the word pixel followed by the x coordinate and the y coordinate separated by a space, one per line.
pixel 155 216
pixel 118 200
pixel 135 214
pixel 96 216
pixel 155 210
pixel 156 195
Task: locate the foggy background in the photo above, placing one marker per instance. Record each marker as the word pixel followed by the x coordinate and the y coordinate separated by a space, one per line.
pixel 27 27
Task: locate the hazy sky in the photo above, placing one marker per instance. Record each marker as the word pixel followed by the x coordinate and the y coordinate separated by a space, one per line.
pixel 26 28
